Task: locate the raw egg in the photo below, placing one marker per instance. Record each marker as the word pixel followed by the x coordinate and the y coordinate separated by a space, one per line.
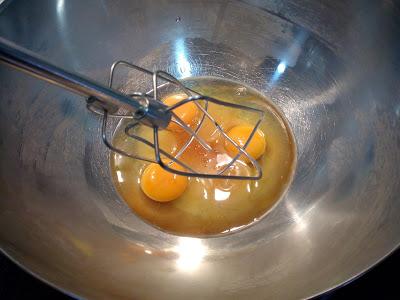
pixel 240 134
pixel 187 112
pixel 161 185
pixel 203 206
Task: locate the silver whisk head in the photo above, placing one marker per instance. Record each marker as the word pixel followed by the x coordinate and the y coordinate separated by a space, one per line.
pixel 167 160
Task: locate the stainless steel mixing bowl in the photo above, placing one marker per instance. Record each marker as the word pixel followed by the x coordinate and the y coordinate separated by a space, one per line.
pixel 331 66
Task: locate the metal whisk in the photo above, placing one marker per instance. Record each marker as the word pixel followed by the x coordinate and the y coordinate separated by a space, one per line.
pixel 140 109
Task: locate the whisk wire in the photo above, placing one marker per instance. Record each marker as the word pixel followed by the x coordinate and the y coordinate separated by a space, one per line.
pixel 194 97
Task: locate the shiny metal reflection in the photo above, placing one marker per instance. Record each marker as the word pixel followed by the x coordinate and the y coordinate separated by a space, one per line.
pixel 61 218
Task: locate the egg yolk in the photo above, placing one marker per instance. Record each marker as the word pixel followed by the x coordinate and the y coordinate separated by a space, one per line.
pixel 161 185
pixel 187 112
pixel 240 134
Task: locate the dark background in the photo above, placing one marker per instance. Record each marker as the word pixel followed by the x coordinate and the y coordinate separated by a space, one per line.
pixel 379 283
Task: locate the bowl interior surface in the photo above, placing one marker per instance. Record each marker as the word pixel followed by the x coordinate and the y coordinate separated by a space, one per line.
pixel 331 68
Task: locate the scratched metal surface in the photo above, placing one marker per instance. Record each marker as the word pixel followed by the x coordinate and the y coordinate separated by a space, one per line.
pixel 332 68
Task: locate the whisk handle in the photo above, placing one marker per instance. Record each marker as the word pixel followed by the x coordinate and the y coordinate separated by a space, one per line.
pixel 27 61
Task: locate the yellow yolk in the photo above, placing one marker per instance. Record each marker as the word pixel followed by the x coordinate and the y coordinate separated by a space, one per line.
pixel 187 112
pixel 161 185
pixel 240 134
